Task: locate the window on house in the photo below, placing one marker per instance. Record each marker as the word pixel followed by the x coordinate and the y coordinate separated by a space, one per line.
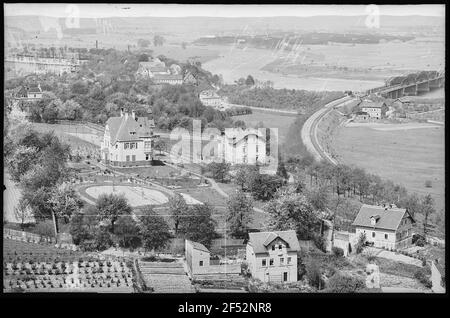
pixel 373 234
pixel 263 262
pixel 116 146
pixel 201 263
pixel 128 158
pixel 289 259
pixel 280 247
pixel 281 260
pixel 127 145
pixel 132 145
pixel 271 262
pixel 133 158
pixel 273 247
pixel 386 236
pixel 146 156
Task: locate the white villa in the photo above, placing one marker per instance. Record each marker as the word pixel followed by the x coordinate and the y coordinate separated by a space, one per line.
pixel 128 140
pixel 389 227
pixel 239 146
pixel 272 256
pixel 210 98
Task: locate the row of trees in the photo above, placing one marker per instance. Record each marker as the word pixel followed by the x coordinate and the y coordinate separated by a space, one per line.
pixel 357 184
pixel 267 97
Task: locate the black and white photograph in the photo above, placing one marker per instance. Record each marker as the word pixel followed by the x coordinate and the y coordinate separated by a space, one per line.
pixel 220 149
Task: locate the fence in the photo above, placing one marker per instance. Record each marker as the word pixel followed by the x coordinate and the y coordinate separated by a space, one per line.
pixel 27 236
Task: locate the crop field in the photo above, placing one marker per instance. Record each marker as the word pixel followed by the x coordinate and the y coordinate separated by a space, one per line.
pixel 408 154
pixel 270 120
pixel 329 67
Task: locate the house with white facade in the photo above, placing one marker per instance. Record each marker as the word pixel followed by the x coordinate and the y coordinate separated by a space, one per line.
pixel 376 110
pixel 197 257
pixel 210 98
pixel 128 140
pixel 385 226
pixel 29 92
pixel 272 256
pixel 242 146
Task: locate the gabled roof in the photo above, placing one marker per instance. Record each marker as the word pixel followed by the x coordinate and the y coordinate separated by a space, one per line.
pixel 387 218
pixel 168 77
pixel 240 133
pixel 371 104
pixel 198 246
pixel 34 89
pixel 120 128
pixel 260 241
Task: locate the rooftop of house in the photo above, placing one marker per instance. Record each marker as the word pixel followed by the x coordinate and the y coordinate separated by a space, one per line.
pixel 160 77
pixel 260 241
pixel 129 127
pixel 387 218
pixel 240 133
pixel 371 104
pixel 198 246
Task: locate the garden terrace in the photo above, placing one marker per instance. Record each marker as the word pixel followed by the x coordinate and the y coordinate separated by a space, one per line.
pixel 50 269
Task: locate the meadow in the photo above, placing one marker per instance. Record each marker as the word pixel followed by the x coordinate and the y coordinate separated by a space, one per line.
pixel 408 154
pixel 270 120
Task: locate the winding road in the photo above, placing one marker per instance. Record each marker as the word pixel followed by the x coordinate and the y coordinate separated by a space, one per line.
pixel 309 129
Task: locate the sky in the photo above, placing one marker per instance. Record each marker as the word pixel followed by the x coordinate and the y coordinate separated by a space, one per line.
pixel 177 10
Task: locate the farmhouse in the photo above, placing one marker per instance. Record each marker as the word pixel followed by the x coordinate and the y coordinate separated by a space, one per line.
pixel 272 256
pixel 210 98
pixel 375 110
pixel 239 146
pixel 385 226
pixel 128 140
pixel 157 71
pixel 29 92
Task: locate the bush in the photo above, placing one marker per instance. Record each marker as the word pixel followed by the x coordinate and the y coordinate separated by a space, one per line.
pixel 420 242
pixel 337 251
pixel 343 283
pixel 314 274
pixel 319 241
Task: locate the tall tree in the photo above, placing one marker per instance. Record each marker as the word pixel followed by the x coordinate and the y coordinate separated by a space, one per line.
pixel 178 209
pixel 23 213
pixel 293 211
pixel 199 226
pixel 111 206
pixel 427 209
pixel 239 214
pixel 154 230
pixel 127 232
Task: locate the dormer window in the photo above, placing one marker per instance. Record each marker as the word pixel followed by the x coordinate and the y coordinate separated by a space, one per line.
pixel 132 133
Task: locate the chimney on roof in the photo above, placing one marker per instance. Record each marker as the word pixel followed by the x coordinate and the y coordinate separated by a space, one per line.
pixel 121 112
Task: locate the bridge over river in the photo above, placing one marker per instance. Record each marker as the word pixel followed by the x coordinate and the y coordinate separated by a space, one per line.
pixel 410 85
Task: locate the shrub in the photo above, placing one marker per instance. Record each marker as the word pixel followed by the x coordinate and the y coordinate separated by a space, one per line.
pixel 344 283
pixel 337 251
pixel 361 243
pixel 314 274
pixel 319 241
pixel 420 242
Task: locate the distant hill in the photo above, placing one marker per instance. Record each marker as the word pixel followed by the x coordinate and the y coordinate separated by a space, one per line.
pixel 213 25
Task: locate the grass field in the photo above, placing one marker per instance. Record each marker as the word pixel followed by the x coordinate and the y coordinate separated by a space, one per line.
pixel 405 156
pixel 270 120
